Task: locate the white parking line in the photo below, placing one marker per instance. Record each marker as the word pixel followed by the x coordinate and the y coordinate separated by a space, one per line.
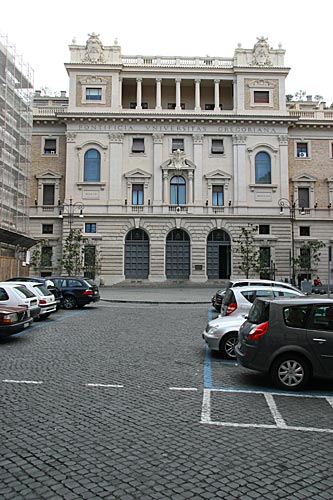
pixel 23 381
pixel 183 388
pixel 274 411
pixel 115 386
pixel 279 421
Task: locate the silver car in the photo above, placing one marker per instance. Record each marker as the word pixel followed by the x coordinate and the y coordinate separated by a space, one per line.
pixel 221 334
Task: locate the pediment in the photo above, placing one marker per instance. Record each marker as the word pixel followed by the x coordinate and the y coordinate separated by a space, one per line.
pixel 49 174
pixel 218 175
pixel 304 178
pixel 138 174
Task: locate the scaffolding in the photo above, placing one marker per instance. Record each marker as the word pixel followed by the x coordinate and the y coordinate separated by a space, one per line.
pixel 16 120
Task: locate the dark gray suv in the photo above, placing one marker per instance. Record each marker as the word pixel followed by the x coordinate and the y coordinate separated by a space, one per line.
pixel 291 339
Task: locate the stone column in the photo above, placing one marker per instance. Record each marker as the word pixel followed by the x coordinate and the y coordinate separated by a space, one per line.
pixel 283 167
pixel 139 93
pixel 158 152
pixel 129 193
pixel 217 95
pixel 178 94
pixel 190 188
pixel 74 159
pixel 239 167
pixel 115 171
pixel 159 94
pixel 197 106
pixel 197 159
pixel 165 187
pixel 120 92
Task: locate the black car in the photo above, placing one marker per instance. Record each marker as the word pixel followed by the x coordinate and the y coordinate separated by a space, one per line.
pixel 76 291
pixel 48 283
pixel 290 339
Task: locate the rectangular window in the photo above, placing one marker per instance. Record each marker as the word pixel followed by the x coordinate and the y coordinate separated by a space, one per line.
pixel 90 227
pixel 172 105
pixel 261 97
pixel 138 145
pixel 265 257
pixel 137 194
pixel 93 94
pixel 264 229
pixel 50 146
pixel 48 194
pixel 47 228
pixel 46 257
pixel 303 198
pixel 89 261
pixel 177 144
pixel 302 150
pixel 305 258
pixel 144 105
pixel 218 198
pixel 304 231
pixel 217 146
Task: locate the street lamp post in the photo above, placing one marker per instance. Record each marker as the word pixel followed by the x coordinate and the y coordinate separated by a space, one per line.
pixel 70 209
pixel 291 206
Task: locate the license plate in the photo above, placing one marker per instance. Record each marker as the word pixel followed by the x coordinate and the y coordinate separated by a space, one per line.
pixel 26 325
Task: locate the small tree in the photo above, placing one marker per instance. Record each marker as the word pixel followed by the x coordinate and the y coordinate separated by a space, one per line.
pixel 92 261
pixel 309 257
pixel 246 248
pixel 38 258
pixel 72 257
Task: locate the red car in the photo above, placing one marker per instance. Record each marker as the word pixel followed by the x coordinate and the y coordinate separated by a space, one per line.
pixel 13 320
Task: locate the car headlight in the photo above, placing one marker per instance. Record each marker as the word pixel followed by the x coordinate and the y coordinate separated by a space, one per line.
pixel 212 330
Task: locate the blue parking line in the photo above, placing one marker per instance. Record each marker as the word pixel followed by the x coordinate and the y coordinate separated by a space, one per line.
pixel 35 326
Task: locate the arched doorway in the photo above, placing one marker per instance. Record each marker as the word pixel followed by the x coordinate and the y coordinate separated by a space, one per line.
pixel 218 255
pixel 137 254
pixel 177 265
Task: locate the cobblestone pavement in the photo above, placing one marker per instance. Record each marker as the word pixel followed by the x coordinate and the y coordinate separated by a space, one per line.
pixel 122 401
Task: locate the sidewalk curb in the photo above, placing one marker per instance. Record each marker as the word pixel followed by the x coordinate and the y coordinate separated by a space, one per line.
pixel 155 302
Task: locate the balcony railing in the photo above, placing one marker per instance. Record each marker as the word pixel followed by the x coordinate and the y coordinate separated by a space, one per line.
pixel 169 62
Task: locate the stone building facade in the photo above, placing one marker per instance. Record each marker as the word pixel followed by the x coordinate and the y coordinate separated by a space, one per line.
pixel 168 158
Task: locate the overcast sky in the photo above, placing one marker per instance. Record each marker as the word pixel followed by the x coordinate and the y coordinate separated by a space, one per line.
pixel 42 31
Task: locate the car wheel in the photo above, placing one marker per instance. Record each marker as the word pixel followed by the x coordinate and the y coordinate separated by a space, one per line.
pixel 291 372
pixel 69 302
pixel 228 344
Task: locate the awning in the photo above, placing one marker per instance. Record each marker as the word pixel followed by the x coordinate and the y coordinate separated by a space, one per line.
pixel 13 238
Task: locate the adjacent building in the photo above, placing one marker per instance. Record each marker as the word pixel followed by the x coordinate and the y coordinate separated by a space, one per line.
pixel 161 161
pixel 16 90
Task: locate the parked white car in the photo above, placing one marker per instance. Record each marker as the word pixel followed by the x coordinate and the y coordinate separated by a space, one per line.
pixel 46 299
pixel 14 294
pixel 221 334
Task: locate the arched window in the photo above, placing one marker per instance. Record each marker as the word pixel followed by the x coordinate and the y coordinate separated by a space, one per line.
pixel 92 166
pixel 177 190
pixel 263 168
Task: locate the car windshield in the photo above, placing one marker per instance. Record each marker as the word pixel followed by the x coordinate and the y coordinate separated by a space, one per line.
pixel 89 282
pixel 259 312
pixel 229 297
pixel 42 290
pixel 22 290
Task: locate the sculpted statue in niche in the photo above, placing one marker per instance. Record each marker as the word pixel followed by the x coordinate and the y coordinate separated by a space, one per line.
pixel 94 49
pixel 261 53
